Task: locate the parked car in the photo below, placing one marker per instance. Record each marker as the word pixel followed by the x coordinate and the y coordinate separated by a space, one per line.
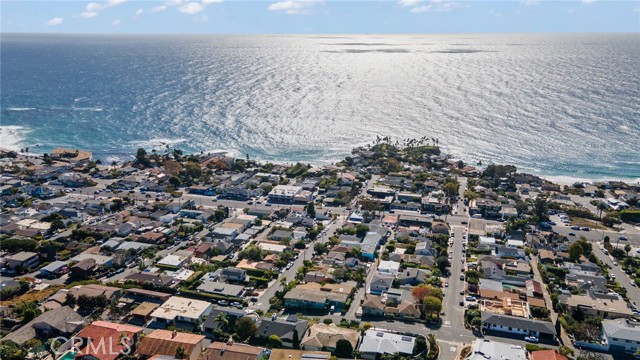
pixel 623 238
pixel 223 302
pixel 571 234
pixel 470 298
pixel 585 229
pixel 575 227
pixel 532 339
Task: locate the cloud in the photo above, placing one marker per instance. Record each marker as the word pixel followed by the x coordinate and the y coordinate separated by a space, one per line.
pixel 420 9
pixel 139 12
pixel 174 2
pixel 88 14
pixel 92 7
pixel 55 21
pixel 295 7
pixel 116 22
pixel 158 8
pixel 409 2
pixel 529 2
pixel 191 8
pixel 437 6
pixel 207 2
pixel 588 1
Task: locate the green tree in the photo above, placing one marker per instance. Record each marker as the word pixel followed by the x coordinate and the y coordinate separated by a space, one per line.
pixel 175 181
pixel 361 230
pixel 442 263
pixel 575 251
pixel 274 342
pixel 222 319
pixel 245 328
pixel 320 248
pixel 27 310
pixel 627 249
pixel 251 252
pixel 311 210
pixel 344 349
pixel 432 305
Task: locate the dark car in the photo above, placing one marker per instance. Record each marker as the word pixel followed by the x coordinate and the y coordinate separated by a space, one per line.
pixel 572 234
pixel 461 303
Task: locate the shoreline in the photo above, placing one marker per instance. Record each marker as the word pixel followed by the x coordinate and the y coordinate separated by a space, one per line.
pixel 13 137
pixel 557 179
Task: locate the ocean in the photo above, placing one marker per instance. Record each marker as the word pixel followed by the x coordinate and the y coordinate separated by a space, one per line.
pixel 558 105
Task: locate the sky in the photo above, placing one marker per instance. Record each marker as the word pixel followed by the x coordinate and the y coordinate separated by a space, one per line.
pixel 318 16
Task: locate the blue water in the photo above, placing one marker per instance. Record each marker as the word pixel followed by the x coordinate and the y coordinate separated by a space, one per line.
pixel 556 105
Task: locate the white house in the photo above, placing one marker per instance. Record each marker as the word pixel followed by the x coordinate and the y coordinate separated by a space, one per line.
pixel 182 309
pixel 389 267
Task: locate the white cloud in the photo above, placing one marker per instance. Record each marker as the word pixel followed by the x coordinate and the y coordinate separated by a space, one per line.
pixel 91 7
pixel 139 12
pixel 295 7
pixel 55 21
pixel 191 8
pixel 409 2
pixel 529 2
pixel 174 2
pixel 158 8
pixel 116 22
pixel 588 1
pixel 420 9
pixel 207 2
pixel 437 6
pixel 88 14
pixel 111 3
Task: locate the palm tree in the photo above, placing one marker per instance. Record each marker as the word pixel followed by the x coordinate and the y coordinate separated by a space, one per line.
pixel 222 319
pixel 283 282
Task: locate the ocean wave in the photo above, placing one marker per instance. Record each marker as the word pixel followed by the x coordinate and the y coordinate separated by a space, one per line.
pixel 87 109
pixel 12 136
pixel 20 109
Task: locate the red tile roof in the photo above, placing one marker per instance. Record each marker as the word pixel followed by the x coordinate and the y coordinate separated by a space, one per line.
pixel 547 355
pixel 107 340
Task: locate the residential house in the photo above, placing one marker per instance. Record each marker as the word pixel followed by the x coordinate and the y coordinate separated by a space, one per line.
pixel 517 325
pixel 596 303
pixel 222 289
pixel 24 259
pixel 106 341
pixel 57 322
pixel 232 274
pixel 485 349
pixel 380 283
pixel 375 343
pixel 284 329
pixel 183 310
pixel 622 335
pixel 388 267
pixel 234 351
pixel 289 354
pixel 324 337
pixel 412 276
pixel 547 355
pixel 165 342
